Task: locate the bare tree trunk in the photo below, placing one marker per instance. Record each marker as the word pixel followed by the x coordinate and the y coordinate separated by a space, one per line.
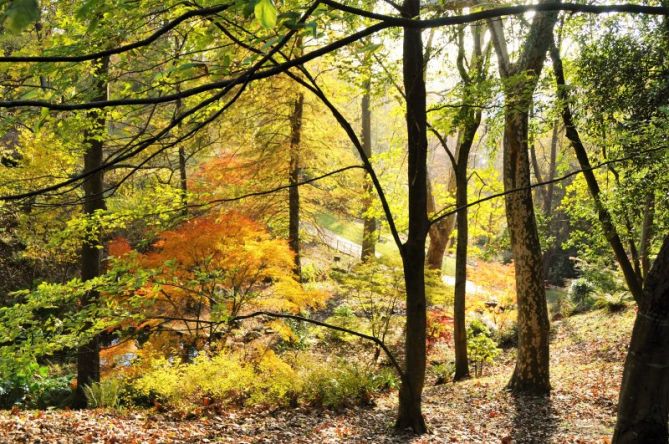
pixel 294 177
pixel 531 374
pixel 643 405
pixel 610 231
pixel 369 229
pixel 441 231
pixel 413 251
pixel 459 301
pixel 88 355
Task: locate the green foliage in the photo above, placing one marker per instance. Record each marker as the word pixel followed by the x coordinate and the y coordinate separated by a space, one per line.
pixel 266 380
pixel 33 387
pixel 103 394
pixel 20 14
pixel 444 372
pixel 266 13
pixel 613 303
pixel 580 291
pixel 481 349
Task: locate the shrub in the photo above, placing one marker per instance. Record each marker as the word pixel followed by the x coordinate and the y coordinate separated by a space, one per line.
pixel 265 379
pixel 342 384
pixel 580 292
pixel 33 387
pixel 481 349
pixel 103 394
pixel 444 372
pixel 613 303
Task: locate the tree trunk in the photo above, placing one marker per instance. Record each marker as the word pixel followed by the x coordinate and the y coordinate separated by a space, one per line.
pixel 643 408
pixel 531 374
pixel 610 231
pixel 294 177
pixel 88 355
pixel 369 234
pixel 440 232
pixel 413 251
pixel 459 302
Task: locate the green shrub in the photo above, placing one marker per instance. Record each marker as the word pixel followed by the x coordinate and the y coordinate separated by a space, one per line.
pixel 266 379
pixel 613 303
pixel 32 387
pixel 481 349
pixel 580 293
pixel 444 372
pixel 103 394
pixel 342 384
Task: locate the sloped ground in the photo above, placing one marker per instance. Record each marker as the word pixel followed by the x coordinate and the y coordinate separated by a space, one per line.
pixel 587 357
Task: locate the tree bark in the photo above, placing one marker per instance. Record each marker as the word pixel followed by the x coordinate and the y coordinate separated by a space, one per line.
pixel 88 355
pixel 531 374
pixel 369 233
pixel 441 231
pixel 610 231
pixel 413 250
pixel 294 178
pixel 643 404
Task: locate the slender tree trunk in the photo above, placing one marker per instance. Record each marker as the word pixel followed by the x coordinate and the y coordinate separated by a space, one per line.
pixel 413 251
pixel 294 177
pixel 531 374
pixel 459 305
pixel 610 231
pixel 369 233
pixel 643 405
pixel 183 177
pixel 647 233
pixel 88 355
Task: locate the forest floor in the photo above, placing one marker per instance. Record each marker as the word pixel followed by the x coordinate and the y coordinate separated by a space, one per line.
pixel 588 351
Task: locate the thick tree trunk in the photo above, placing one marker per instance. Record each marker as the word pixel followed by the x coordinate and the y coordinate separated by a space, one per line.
pixel 413 251
pixel 531 374
pixel 369 234
pixel 643 405
pixel 88 355
pixel 294 177
pixel 610 231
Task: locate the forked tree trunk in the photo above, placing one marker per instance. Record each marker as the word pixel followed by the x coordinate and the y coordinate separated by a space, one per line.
pixel 369 234
pixel 413 251
pixel 294 177
pixel 643 405
pixel 88 355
